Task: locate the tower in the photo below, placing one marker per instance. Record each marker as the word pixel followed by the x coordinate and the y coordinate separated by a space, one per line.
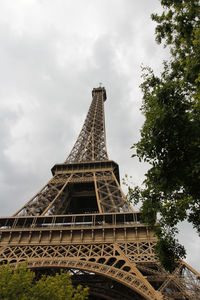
pixel 81 221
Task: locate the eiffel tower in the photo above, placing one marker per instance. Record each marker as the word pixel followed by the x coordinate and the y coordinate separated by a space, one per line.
pixel 81 221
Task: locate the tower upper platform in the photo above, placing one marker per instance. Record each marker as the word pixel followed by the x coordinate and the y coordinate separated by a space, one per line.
pixel 100 90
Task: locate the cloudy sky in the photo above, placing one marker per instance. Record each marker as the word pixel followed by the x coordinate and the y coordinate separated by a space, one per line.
pixel 52 53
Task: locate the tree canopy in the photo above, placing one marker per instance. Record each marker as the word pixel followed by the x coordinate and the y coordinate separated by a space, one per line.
pixel 20 284
pixel 170 136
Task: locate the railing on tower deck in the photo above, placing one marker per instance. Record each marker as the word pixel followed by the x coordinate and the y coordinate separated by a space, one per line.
pixel 83 220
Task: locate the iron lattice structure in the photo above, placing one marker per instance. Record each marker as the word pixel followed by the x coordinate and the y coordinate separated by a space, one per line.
pixel 82 222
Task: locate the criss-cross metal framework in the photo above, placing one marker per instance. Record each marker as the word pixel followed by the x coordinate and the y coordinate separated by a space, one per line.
pixel 82 222
pixel 91 142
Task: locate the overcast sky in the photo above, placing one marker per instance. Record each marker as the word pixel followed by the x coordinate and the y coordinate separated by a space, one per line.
pixel 52 54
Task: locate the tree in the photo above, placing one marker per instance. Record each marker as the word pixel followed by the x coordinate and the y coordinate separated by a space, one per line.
pixel 21 284
pixel 170 136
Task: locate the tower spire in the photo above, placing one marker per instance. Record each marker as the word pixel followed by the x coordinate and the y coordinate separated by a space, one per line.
pixel 91 142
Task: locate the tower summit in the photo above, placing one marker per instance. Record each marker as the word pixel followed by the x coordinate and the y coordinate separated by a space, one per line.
pixel 91 142
pixel 81 221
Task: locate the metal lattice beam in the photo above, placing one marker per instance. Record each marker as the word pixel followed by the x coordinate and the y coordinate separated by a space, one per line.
pixel 59 193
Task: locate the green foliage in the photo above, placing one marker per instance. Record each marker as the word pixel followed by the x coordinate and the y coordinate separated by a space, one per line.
pixel 179 27
pixel 170 136
pixel 17 284
pixel 168 249
pixel 20 284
